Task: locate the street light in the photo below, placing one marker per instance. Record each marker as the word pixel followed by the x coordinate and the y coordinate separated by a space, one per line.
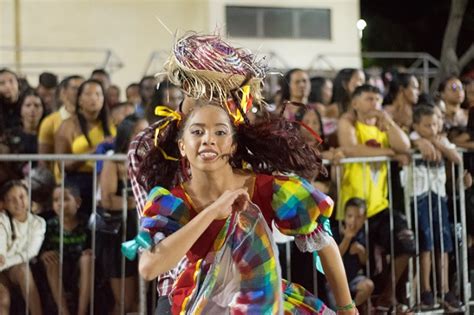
pixel 361 25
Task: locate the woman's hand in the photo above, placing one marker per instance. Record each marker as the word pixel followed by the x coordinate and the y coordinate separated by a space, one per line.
pixel 228 201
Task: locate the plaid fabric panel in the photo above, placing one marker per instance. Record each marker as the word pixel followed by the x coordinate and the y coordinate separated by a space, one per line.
pixel 298 205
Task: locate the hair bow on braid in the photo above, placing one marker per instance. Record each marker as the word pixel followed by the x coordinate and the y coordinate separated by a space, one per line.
pixel 169 116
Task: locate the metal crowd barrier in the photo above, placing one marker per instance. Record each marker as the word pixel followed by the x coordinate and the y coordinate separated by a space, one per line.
pixel 463 287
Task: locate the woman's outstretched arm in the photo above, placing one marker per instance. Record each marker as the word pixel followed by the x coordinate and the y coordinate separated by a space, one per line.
pixel 334 270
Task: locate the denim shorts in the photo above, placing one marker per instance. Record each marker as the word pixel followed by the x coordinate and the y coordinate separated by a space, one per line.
pixel 425 236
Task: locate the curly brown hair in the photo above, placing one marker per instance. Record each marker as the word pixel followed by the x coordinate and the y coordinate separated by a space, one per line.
pixel 269 146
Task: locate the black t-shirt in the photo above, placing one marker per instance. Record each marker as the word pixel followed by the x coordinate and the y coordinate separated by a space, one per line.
pixel 75 241
pixel 351 262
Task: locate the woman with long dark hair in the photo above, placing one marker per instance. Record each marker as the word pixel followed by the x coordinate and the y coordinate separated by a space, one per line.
pixel 81 134
pixel 402 95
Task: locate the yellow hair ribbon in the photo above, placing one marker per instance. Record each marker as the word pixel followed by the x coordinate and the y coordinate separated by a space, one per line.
pixel 245 104
pixel 169 115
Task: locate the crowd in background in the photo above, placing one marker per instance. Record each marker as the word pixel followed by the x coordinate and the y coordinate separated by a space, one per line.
pixel 349 115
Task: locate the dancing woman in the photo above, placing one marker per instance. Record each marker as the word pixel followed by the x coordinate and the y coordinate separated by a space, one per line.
pixel 215 203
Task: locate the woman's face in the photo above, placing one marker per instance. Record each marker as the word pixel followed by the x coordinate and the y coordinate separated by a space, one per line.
pixel 32 110
pixel 9 87
pixel 300 86
pixel 326 92
pixel 16 202
pixel 207 140
pixel 412 91
pixel 92 98
pixel 357 79
pixel 71 204
pixel 311 120
pixel 453 93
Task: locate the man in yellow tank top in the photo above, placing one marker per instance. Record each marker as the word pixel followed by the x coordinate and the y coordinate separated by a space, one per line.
pixel 367 131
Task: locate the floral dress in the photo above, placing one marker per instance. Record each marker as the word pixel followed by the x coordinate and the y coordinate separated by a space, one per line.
pixel 233 267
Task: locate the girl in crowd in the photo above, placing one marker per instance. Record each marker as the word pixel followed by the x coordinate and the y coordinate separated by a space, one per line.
pixel 32 111
pixel 310 121
pixel 21 236
pixel 320 98
pixel 81 134
pixel 77 255
pixel 213 209
pixel 451 92
pixel 344 85
pixel 113 181
pixel 295 89
pixel 402 96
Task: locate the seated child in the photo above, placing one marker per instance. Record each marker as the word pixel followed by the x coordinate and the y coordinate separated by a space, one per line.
pixel 430 180
pixel 351 240
pixel 77 255
pixel 21 236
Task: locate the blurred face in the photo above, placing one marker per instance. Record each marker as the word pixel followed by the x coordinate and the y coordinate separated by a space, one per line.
pixel 31 110
pixel 366 102
pixel 102 78
pixel 173 97
pixel 47 95
pixel 207 139
pixel 9 87
pixel 147 89
pixel 412 91
pixel 453 93
pixel 300 86
pixel 427 127
pixel 354 217
pixel 310 119
pixel 133 95
pixel 16 202
pixel 119 114
pixel 70 91
pixel 71 203
pixel 113 96
pixel 326 92
pixel 92 98
pixel 357 79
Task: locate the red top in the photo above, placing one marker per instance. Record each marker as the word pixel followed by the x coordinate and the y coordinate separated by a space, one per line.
pixel 262 196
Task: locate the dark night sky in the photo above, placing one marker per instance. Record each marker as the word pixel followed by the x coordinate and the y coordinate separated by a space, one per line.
pixel 412 25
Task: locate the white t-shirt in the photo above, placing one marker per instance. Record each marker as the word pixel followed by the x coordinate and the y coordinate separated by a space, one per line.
pixel 29 236
pixel 426 176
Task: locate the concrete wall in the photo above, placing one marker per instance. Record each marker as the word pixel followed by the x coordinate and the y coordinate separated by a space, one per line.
pixel 343 50
pixel 129 29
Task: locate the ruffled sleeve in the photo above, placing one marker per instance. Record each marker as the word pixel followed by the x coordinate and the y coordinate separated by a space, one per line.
pixel 163 214
pixel 302 211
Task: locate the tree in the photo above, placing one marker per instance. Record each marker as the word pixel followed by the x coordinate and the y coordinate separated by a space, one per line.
pixel 450 63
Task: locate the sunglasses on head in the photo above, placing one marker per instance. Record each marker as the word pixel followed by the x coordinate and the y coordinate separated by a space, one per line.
pixel 456 87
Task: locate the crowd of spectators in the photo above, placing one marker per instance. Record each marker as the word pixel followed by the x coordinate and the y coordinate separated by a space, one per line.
pixel 349 115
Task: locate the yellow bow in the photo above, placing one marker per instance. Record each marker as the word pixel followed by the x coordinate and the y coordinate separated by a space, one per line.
pixel 245 104
pixel 169 115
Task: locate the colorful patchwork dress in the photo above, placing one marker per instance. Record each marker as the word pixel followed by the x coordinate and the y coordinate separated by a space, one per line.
pixel 233 267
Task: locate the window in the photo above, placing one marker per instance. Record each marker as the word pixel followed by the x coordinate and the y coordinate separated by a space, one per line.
pixel 269 22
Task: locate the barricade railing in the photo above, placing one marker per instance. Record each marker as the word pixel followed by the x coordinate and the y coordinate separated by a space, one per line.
pixel 413 290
